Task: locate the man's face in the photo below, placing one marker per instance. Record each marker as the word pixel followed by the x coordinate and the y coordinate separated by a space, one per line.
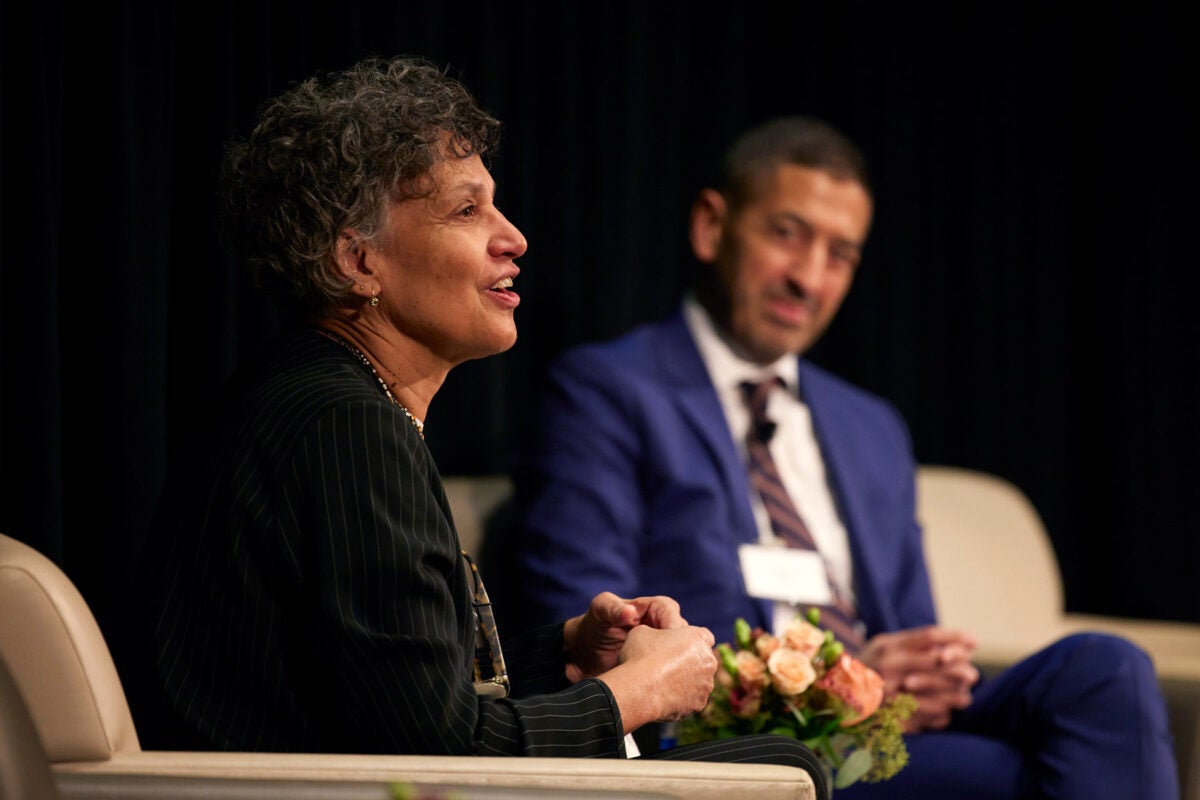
pixel 785 261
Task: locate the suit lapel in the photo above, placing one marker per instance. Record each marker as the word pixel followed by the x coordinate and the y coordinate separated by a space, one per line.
pixel 847 490
pixel 697 401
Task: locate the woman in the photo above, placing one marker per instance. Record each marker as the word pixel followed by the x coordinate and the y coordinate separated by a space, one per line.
pixel 312 592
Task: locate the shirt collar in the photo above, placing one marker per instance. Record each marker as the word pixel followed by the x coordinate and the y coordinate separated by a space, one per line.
pixel 725 367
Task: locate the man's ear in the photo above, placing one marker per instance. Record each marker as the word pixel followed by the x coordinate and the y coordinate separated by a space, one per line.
pixel 707 224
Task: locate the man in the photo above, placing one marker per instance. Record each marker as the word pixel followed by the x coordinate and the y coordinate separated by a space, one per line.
pixel 637 480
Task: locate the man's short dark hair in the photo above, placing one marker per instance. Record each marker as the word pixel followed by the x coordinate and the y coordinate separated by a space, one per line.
pixel 804 141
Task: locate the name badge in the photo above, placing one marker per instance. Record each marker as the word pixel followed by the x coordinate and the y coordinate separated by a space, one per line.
pixel 785 574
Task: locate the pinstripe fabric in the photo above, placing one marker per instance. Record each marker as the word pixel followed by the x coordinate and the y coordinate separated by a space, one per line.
pixel 754 749
pixel 309 594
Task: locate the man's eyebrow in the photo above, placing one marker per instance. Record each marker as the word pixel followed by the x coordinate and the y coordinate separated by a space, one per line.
pixel 802 220
pixel 792 216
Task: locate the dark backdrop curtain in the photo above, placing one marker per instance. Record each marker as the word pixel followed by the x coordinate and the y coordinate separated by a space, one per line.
pixel 1022 298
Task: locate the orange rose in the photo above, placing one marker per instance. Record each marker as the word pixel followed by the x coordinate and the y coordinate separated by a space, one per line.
pixel 856 685
pixel 752 671
pixel 799 634
pixel 791 671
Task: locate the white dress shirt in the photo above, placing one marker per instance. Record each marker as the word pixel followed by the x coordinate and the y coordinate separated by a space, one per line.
pixel 793 446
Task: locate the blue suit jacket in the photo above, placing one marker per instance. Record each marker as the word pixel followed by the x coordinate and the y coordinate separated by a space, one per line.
pixel 633 483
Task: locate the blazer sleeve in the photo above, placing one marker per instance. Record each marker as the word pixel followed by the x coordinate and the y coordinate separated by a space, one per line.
pixel 392 628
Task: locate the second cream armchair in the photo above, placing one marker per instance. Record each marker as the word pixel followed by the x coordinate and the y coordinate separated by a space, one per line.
pixel 995 573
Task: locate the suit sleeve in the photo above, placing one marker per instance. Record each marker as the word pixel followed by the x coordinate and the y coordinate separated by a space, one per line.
pixel 393 638
pixel 912 592
pixel 581 504
pixel 874 469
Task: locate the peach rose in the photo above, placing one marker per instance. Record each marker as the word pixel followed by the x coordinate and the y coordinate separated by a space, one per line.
pixel 791 671
pixel 856 685
pixel 800 634
pixel 766 644
pixel 803 636
pixel 722 678
pixel 752 671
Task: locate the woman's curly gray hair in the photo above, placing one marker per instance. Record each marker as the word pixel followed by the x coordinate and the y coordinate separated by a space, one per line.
pixel 331 154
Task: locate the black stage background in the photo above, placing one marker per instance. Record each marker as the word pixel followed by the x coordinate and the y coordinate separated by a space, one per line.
pixel 1022 297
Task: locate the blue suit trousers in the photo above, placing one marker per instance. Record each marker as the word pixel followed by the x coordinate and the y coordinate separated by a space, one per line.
pixel 1081 719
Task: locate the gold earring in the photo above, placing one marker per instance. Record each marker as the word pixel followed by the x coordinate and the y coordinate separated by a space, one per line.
pixel 374 300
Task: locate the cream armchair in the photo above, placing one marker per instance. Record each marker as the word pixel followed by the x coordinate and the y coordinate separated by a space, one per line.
pixel 62 667
pixel 994 573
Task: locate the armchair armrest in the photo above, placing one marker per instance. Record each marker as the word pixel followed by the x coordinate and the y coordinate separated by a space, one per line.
pixel 691 780
pixel 85 786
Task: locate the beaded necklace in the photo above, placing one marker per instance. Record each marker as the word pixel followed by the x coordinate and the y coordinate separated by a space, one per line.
pixel 366 362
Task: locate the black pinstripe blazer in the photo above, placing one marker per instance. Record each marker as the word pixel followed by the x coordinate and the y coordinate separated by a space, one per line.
pixel 308 594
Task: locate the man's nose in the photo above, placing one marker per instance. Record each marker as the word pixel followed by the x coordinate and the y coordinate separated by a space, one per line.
pixel 808 269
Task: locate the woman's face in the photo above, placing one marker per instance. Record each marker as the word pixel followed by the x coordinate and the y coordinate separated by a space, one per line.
pixel 445 266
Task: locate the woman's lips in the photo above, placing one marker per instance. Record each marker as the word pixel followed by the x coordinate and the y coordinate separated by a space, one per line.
pixel 503 294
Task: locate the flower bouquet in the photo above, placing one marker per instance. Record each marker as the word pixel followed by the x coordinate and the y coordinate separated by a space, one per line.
pixel 803 684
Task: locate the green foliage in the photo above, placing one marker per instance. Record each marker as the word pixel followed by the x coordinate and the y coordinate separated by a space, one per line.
pixel 854 767
pixel 885 737
pixel 728 659
pixel 741 634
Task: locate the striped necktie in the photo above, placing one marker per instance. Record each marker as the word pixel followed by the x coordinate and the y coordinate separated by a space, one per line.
pixel 840 616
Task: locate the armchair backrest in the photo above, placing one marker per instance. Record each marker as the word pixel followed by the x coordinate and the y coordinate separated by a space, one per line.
pixel 474 500
pixel 59 660
pixel 991 563
pixel 24 772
